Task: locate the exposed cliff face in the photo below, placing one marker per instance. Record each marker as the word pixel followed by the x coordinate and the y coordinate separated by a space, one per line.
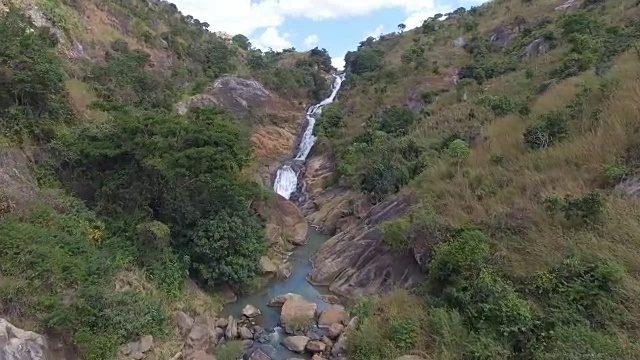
pixel 355 262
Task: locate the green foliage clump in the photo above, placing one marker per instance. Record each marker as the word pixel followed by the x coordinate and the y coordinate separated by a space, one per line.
pixel 395 234
pixel 364 61
pixel 227 247
pixel 394 120
pixel 331 121
pixel 242 41
pixel 32 95
pixel 157 166
pixel 551 128
pixel 124 81
pixel 500 105
pixel 584 209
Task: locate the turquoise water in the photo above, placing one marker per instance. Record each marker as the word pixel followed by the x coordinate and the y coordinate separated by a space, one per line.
pixel 296 283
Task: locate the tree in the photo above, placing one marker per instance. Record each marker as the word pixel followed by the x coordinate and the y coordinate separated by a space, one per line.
pixel 226 248
pixel 365 61
pixel 458 149
pixel 242 41
pixel 401 28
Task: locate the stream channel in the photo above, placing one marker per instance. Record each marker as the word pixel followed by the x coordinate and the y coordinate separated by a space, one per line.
pixel 287 184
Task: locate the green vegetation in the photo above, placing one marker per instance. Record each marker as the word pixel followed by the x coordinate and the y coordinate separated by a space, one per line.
pixel 136 199
pixel 523 151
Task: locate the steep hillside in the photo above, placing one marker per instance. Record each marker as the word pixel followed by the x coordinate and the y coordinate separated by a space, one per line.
pixel 133 147
pixel 496 149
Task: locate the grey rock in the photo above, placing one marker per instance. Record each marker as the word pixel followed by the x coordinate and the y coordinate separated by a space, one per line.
pixel 267 265
pixel 18 344
pixel 536 48
pixel 222 323
pixel 145 343
pixel 183 322
pixel 245 334
pixel 297 310
pixel 281 299
pixel 356 262
pixel 296 343
pixel 335 330
pixel 316 346
pixel 251 311
pixel 459 42
pixel 258 354
pixel 232 329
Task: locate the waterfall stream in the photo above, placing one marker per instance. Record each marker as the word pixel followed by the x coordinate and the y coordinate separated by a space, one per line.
pixel 286 181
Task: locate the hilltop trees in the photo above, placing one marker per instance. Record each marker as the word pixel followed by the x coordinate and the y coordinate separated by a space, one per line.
pixel 401 28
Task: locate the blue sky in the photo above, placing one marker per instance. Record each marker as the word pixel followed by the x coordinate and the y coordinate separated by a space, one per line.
pixel 337 25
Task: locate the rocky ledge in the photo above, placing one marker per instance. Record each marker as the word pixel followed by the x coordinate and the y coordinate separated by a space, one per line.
pixel 356 262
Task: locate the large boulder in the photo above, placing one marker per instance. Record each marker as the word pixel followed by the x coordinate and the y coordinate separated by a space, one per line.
pixel 279 300
pixel 332 316
pixel 183 322
pixel 245 333
pixel 335 330
pixel 201 355
pixel 285 223
pixel 232 329
pixel 356 262
pixel 258 354
pixel 18 344
pixel 296 343
pixel 202 336
pixel 297 310
pixel 316 346
pixel 267 265
pixel 250 311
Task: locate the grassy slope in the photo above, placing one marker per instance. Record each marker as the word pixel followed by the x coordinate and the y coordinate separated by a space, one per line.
pixel 484 191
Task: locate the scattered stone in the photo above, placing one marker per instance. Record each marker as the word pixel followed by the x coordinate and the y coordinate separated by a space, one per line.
pixel 284 270
pixel 222 323
pixel 245 334
pixel 219 334
pixel 228 295
pixel 259 355
pixel 332 316
pixel 297 310
pixel 279 300
pixel 145 343
pixel 536 48
pixel 183 322
pixel 316 346
pixel 251 311
pixel 267 265
pixel 201 355
pixel 340 347
pixel 232 329
pixel 312 335
pixel 317 357
pixel 459 42
pixel 567 5
pixel 296 343
pixel 335 330
pixel 257 329
pixel 247 344
pixel 327 341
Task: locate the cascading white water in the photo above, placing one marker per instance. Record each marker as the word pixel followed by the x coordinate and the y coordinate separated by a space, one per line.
pixel 286 178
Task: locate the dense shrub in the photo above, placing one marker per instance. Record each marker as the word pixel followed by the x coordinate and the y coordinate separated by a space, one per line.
pixel 550 129
pixel 585 209
pixel 395 234
pixel 331 121
pixel 226 247
pixel 394 120
pixel 364 61
pixel 32 92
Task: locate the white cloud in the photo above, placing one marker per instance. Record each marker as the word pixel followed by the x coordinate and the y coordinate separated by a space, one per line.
pixel 311 40
pixel 271 38
pixel 338 62
pixel 246 16
pixel 375 33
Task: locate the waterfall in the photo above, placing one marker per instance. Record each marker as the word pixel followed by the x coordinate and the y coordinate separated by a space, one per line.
pixel 286 178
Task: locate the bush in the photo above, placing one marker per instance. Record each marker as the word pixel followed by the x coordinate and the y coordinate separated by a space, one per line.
pixel 395 234
pixel 394 120
pixel 551 128
pixel 331 121
pixel 500 105
pixel 32 95
pixel 403 332
pixel 586 209
pixel 227 247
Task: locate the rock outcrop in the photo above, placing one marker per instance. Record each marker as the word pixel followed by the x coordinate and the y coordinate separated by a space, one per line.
pixel 17 184
pixel 18 344
pixel 355 262
pixel 285 222
pixel 297 310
